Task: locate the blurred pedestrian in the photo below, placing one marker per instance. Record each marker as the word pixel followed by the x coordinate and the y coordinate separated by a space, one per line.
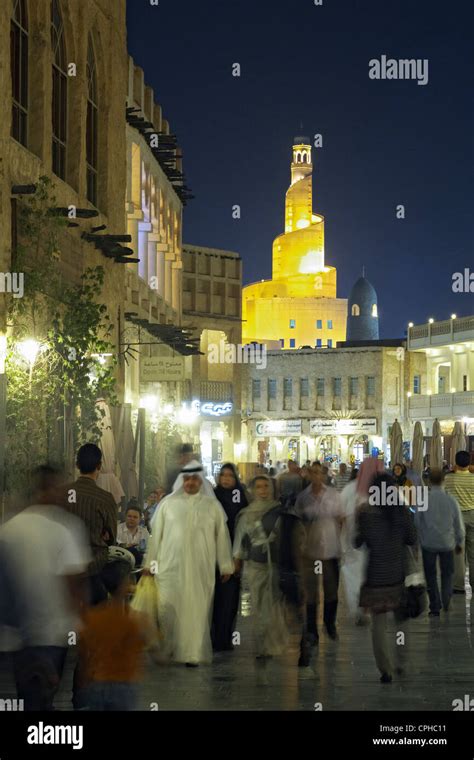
pixel 45 554
pixel 386 531
pixel 441 532
pixel 460 484
pixel 257 543
pixel 289 483
pixel 342 478
pixel 112 641
pixel 98 510
pixel 232 496
pixel 320 508
pixel 183 454
pixel 152 504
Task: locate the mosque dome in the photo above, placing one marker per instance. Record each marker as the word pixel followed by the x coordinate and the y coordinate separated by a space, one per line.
pixel 362 312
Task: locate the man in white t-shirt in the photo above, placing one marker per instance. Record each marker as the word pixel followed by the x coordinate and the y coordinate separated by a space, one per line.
pixel 45 553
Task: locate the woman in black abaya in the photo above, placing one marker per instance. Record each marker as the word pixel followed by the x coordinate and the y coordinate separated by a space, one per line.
pixel 231 494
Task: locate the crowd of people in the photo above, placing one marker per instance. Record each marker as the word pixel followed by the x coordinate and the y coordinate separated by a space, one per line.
pixel 297 537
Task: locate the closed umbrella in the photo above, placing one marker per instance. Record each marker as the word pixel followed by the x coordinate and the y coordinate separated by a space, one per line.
pixel 458 441
pixel 108 479
pixel 396 444
pixel 125 448
pixel 436 453
pixel 418 448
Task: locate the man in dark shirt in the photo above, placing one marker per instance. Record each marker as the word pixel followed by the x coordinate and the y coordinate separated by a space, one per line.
pixel 98 510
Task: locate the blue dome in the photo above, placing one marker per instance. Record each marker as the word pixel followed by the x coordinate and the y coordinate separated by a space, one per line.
pixel 362 312
pixel 363 293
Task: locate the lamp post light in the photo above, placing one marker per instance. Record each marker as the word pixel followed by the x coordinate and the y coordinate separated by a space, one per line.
pixel 29 350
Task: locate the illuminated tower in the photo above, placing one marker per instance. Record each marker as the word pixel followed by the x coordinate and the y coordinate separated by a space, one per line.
pixel 298 306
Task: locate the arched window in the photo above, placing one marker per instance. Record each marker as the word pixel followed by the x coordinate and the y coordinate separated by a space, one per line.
pixel 303 157
pixel 355 310
pixel 374 310
pixel 91 127
pixel 19 71
pixel 59 91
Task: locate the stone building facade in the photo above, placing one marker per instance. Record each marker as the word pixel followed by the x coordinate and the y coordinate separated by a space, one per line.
pixel 64 85
pixel 336 403
pixel 446 390
pixel 212 290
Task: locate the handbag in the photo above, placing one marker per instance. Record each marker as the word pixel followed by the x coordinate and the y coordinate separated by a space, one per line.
pixel 381 598
pixel 414 592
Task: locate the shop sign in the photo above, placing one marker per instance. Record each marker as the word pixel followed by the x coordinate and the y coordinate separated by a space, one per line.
pixel 216 408
pixel 161 369
pixel 366 426
pixel 278 427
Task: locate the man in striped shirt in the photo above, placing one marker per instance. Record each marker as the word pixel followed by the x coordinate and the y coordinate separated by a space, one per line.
pixel 460 484
pixel 342 478
pixel 98 510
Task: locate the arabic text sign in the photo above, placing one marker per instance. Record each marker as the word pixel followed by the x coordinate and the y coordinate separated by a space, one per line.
pixel 278 427
pixel 343 427
pixel 216 408
pixel 158 369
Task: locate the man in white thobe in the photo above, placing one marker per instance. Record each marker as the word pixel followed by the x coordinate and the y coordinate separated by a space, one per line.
pixel 189 538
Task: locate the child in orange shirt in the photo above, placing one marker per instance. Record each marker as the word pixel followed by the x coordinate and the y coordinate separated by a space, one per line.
pixel 111 647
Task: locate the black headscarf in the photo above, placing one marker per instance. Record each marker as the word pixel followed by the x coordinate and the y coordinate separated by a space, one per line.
pixel 232 502
pixel 400 479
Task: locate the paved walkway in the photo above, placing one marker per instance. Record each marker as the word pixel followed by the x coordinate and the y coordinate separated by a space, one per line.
pixel 440 652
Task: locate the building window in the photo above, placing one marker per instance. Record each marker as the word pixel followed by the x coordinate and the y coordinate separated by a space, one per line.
pixel 329 324
pixel 19 71
pixel 292 323
pixel 355 311
pixel 288 386
pixel 91 126
pixel 374 310
pixel 319 324
pixel 464 383
pixel 320 386
pixel 59 91
pixel 292 343
pixel 272 389
pixel 256 389
pixel 337 386
pixel 329 342
pixel 371 386
pixel 354 386
pixel 282 343
pixel 417 384
pixel 319 342
pixel 304 386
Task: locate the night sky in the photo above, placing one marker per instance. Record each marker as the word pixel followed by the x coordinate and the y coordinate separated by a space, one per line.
pixel 384 142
